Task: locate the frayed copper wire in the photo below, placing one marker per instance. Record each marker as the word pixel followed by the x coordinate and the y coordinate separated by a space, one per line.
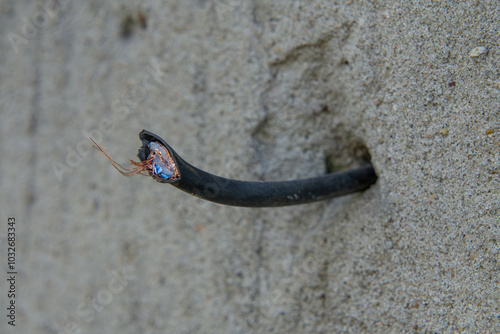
pixel 141 168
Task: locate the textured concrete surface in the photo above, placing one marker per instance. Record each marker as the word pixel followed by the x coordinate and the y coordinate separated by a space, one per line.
pixel 256 90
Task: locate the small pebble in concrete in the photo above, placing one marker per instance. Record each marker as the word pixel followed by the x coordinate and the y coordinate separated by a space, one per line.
pixel 478 51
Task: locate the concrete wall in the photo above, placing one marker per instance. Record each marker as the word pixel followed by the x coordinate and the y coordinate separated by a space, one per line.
pixel 254 90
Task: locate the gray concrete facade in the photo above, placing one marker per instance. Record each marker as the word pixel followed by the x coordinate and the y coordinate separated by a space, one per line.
pixel 253 90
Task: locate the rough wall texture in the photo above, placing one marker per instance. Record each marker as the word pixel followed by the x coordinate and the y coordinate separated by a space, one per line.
pixel 255 90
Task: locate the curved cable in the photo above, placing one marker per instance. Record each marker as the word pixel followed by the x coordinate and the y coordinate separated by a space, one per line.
pixel 199 183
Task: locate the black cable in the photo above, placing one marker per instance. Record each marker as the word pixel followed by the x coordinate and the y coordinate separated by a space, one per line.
pixel 220 190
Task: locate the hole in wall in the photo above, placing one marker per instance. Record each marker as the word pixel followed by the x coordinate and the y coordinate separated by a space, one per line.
pixel 346 154
pixel 129 23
